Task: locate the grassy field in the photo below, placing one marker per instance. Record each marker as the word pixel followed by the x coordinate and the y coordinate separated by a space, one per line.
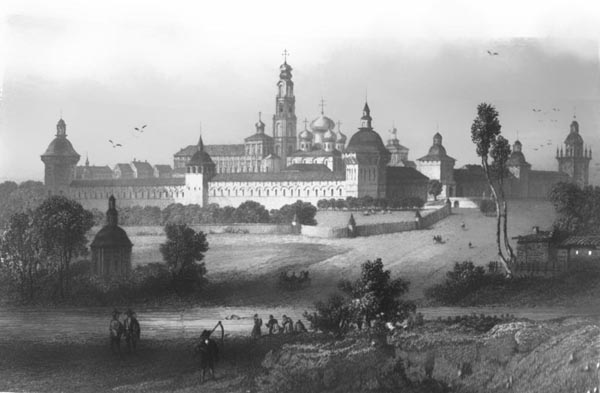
pixel 243 268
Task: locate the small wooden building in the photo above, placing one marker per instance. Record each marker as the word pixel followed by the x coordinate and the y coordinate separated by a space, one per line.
pixel 542 252
pixel 111 247
pixel 537 253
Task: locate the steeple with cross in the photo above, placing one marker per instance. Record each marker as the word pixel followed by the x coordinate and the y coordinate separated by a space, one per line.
pixel 322 105
pixel 284 119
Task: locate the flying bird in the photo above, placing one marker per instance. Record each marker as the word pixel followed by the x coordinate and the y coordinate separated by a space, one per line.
pixel 115 145
pixel 141 129
pixel 536 110
pixel 556 109
pixel 492 53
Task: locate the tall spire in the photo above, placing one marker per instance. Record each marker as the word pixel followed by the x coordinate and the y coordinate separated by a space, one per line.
pixel 200 142
pixel 366 117
pixel 87 160
pixel 285 54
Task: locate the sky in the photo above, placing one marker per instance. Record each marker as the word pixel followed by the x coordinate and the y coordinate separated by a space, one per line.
pixel 110 66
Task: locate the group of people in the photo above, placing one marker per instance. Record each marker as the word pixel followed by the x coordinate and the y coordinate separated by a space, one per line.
pixel 129 327
pixel 287 326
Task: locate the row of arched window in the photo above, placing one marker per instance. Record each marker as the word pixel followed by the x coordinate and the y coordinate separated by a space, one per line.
pixel 306 192
pixel 144 194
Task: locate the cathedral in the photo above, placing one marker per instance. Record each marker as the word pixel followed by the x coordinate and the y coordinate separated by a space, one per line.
pixel 317 163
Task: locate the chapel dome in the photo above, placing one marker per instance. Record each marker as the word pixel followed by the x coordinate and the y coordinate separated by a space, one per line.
pixel 200 158
pixel 366 141
pixel 329 136
pixel 111 236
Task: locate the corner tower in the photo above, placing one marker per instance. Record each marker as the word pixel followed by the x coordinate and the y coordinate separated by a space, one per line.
pixel 284 119
pixel 575 160
pixel 59 160
pixel 199 171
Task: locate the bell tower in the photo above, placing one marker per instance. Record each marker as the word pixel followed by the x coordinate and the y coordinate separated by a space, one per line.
pixel 59 160
pixel 284 119
pixel 575 160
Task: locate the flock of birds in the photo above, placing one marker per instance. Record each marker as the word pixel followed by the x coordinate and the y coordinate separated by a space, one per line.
pixel 137 131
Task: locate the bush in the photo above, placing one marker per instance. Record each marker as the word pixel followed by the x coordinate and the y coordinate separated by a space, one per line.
pixel 487 206
pixel 332 316
pixel 460 282
pixel 479 323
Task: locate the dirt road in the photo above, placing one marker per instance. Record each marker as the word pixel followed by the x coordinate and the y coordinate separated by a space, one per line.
pixel 79 324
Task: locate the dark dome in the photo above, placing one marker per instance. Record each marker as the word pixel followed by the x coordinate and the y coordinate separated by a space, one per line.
pixel 201 158
pixel 111 236
pixel 517 158
pixel 60 146
pixel 574 139
pixel 366 141
pixel 437 150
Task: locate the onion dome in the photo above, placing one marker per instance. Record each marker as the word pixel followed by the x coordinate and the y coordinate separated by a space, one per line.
pixel 322 124
pixel 329 136
pixel 341 137
pixel 61 146
pixel 285 71
pixel 111 235
pixel 306 135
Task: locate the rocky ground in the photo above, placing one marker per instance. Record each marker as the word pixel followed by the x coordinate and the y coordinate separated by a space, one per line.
pixel 559 356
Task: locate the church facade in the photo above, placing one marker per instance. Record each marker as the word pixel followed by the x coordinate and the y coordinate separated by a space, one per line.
pixel 283 167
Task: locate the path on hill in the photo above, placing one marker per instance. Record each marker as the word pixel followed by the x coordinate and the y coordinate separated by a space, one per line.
pixel 79 324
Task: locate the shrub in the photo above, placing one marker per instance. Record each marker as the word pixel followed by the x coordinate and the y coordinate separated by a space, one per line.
pixel 463 280
pixel 332 316
pixel 487 206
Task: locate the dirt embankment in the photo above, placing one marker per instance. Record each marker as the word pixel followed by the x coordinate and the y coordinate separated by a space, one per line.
pixel 527 357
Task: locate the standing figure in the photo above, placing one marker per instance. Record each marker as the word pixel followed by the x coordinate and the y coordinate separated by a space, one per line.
pixel 209 354
pixel 115 329
pixel 273 325
pixel 288 324
pixel 256 332
pixel 132 331
pixel 299 327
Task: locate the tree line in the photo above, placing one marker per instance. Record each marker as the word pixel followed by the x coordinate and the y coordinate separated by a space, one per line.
pixel 368 202
pixel 248 212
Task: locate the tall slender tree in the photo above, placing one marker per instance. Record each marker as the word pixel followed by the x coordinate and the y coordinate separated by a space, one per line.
pixel 484 133
pixel 500 154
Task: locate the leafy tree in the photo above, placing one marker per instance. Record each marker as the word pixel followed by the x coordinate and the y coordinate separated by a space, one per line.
pixel 434 188
pixel 462 280
pixel 577 209
pixel 26 196
pixel 375 294
pixel 61 225
pixel 323 204
pixel 484 133
pixel 252 212
pixel 304 211
pixel 20 252
pixel 341 204
pixel 183 253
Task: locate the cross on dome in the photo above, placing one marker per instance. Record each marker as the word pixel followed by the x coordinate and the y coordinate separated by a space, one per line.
pixel 285 54
pixel 322 105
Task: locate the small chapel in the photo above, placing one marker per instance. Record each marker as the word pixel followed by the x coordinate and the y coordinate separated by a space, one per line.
pixel 111 247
